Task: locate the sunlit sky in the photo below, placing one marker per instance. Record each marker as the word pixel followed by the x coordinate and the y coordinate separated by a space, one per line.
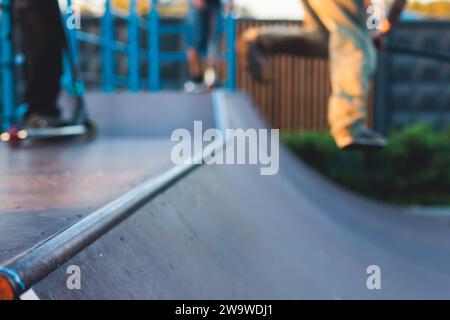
pixel 271 9
pixel 287 9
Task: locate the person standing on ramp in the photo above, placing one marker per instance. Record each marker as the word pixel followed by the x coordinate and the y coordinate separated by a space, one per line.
pixel 43 40
pixel 339 30
pixel 205 20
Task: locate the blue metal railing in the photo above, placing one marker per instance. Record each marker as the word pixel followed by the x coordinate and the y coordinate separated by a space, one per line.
pixel 7 65
pixel 109 47
pixel 154 47
pixel 153 28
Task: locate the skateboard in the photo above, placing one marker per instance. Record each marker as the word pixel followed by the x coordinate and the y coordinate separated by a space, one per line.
pixel 15 135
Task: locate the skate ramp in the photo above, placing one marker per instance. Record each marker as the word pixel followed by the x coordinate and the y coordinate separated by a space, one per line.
pixel 226 232
pixel 48 185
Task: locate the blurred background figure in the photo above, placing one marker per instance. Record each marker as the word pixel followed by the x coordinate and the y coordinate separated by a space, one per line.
pixel 339 29
pixel 205 19
pixel 43 41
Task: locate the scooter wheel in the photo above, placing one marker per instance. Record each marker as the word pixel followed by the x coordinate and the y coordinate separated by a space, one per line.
pixel 14 141
pixel 91 130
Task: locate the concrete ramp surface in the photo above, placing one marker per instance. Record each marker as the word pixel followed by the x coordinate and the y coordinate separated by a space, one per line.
pixel 226 232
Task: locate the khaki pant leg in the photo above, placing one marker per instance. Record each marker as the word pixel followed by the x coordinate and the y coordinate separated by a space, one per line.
pixel 352 61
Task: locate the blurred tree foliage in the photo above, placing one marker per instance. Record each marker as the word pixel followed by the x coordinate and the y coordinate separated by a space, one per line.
pixel 413 169
pixel 440 8
pixel 167 7
pixel 143 5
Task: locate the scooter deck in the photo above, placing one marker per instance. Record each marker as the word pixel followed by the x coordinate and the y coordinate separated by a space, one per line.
pixel 15 136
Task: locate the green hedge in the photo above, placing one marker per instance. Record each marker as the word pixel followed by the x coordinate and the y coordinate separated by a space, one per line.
pixel 413 169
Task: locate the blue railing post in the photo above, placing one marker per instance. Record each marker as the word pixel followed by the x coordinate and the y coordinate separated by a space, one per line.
pixel 231 51
pixel 71 58
pixel 133 47
pixel 71 36
pixel 7 66
pixel 107 51
pixel 154 79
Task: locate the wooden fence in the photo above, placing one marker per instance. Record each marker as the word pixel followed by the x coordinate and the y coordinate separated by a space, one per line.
pixel 296 95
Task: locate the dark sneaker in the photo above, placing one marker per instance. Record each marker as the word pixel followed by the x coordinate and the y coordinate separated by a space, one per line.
pixel 360 137
pixel 36 121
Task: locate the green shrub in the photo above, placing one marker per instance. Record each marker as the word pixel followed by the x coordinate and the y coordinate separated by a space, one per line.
pixel 413 169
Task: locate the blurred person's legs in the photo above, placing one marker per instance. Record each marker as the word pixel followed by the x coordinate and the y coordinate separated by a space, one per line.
pixel 196 41
pixel 205 28
pixel 215 32
pixel 43 39
pixel 335 29
pixel 352 63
